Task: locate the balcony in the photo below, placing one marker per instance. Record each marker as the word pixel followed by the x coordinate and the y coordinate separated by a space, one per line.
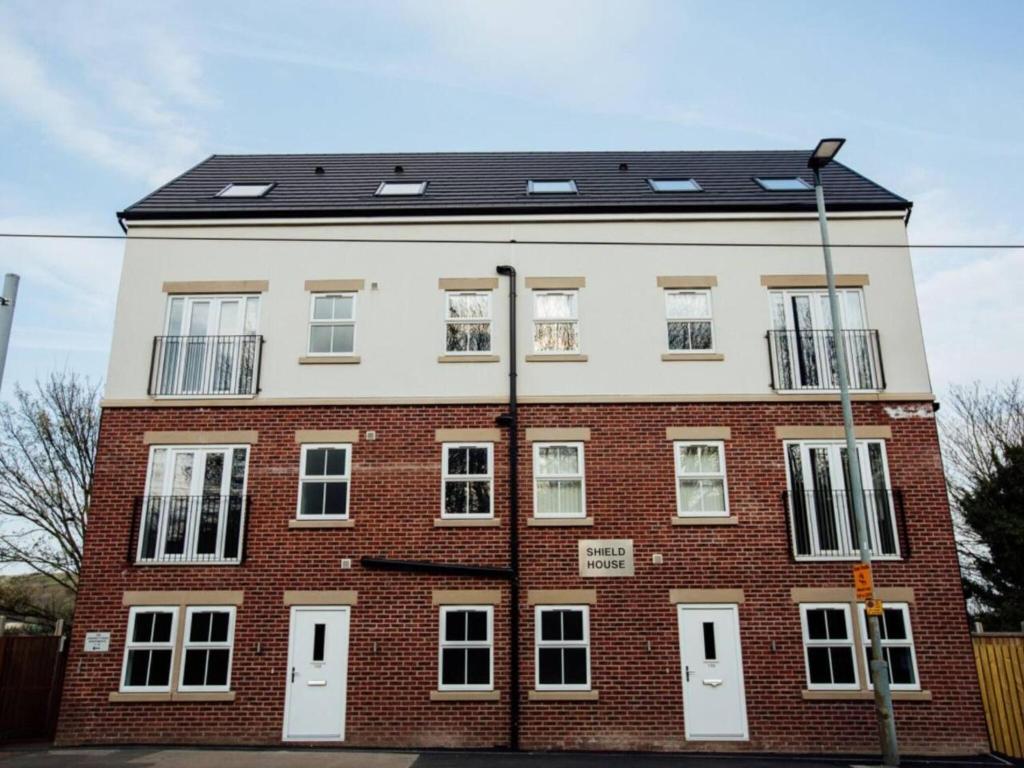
pixel 205 366
pixel 206 530
pixel 821 525
pixel 807 360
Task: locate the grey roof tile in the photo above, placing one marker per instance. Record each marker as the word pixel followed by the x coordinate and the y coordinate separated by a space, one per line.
pixel 495 182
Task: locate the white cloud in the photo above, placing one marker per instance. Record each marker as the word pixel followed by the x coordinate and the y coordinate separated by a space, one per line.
pixel 64 283
pixel 64 316
pixel 108 89
pixel 973 316
pixel 970 302
pixel 567 48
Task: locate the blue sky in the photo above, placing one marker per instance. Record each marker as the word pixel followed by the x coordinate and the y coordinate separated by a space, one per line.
pixel 102 101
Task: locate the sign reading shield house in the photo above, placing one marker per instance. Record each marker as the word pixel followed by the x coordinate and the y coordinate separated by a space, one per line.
pixel 606 557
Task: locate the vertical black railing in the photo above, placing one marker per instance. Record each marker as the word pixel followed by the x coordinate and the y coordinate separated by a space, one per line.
pixel 808 359
pixel 820 524
pixel 188 529
pixel 205 365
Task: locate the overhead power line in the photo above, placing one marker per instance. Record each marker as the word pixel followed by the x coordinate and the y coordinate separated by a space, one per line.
pixel 511 241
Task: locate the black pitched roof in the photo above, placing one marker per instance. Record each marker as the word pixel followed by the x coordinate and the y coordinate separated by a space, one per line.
pixel 495 182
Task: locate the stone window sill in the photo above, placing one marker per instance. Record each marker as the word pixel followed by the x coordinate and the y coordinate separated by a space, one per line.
pixel 329 359
pixel 692 357
pixel 321 523
pixel 560 522
pixel 864 695
pixel 468 359
pixel 120 697
pixel 556 358
pixel 730 520
pixel 472 522
pixel 563 695
pixel 465 695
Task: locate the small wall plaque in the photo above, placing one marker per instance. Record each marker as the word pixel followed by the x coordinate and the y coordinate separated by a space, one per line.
pixel 97 642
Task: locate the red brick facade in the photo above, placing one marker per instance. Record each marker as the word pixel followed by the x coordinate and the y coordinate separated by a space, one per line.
pixel 630 488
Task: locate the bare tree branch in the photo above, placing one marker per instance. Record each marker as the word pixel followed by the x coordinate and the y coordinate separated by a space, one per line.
pixel 48 443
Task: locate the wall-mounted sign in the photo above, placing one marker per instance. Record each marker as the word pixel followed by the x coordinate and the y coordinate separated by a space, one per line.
pixel 606 557
pixel 97 642
pixel 873 607
pixel 862 583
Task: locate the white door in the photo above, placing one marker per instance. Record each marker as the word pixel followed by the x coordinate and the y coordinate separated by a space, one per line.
pixel 314 708
pixel 714 704
pixel 809 354
pixel 206 351
pixel 819 478
pixel 194 503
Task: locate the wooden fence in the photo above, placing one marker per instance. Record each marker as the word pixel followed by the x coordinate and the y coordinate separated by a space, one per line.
pixel 1000 660
pixel 31 678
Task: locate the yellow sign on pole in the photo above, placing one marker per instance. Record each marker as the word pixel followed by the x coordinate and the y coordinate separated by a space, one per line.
pixel 873 607
pixel 862 583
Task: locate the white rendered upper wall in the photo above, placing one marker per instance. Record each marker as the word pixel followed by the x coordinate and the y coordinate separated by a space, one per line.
pixel 400 318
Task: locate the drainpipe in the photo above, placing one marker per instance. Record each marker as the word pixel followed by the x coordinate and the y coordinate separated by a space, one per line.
pixel 510 420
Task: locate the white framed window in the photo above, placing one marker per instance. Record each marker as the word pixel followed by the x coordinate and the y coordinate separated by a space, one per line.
pixel 897 646
pixel 558 480
pixel 556 322
pixel 324 474
pixel 804 353
pixel 688 315
pixel 245 189
pixel 206 315
pixel 149 649
pixel 401 188
pixel 829 647
pixel 210 346
pixel 194 505
pixel 821 504
pixel 467 320
pixel 332 324
pixel 207 648
pixel 466 652
pixel 783 184
pixel 467 480
pixel 551 187
pixel 563 647
pixel 675 185
pixel 701 487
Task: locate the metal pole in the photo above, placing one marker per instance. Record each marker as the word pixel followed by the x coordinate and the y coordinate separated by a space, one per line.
pixel 879 668
pixel 7 301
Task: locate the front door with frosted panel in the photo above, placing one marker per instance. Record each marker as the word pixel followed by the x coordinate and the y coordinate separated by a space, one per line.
pixel 808 348
pixel 820 485
pixel 194 504
pixel 211 345
pixel 714 699
pixel 316 693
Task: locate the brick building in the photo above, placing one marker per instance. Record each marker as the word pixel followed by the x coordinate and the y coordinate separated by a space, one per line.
pixel 321 514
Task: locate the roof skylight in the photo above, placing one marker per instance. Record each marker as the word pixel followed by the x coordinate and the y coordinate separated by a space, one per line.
pixel 675 185
pixel 783 184
pixel 401 188
pixel 245 189
pixel 551 187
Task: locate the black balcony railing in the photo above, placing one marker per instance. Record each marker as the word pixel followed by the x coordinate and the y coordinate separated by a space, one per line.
pixel 205 365
pixel 188 529
pixel 821 524
pixel 808 359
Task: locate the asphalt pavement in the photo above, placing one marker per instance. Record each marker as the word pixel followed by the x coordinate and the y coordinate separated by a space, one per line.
pixel 164 757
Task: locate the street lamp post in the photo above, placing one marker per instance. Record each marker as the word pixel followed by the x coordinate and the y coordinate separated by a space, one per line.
pixel 822 156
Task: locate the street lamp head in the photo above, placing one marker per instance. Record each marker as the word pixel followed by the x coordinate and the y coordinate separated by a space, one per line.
pixel 823 154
